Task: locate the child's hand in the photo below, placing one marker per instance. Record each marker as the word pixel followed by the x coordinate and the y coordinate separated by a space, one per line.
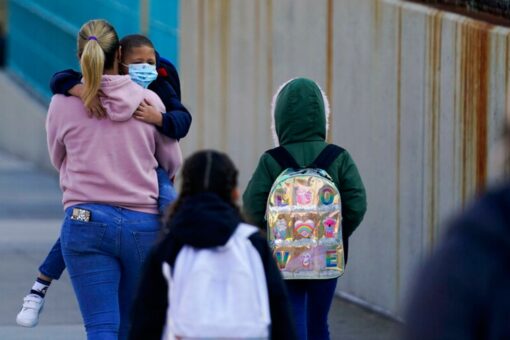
pixel 96 109
pixel 76 90
pixel 148 114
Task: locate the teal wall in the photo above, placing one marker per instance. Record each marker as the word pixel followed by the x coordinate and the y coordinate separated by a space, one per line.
pixel 164 28
pixel 42 33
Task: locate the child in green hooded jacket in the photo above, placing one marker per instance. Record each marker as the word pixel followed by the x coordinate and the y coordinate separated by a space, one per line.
pixel 300 113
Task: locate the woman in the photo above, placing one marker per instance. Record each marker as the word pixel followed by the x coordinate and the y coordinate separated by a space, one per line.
pixel 108 178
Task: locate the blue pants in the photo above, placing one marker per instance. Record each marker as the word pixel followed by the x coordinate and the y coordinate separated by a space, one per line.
pixel 104 259
pixel 311 301
pixel 167 193
pixel 53 265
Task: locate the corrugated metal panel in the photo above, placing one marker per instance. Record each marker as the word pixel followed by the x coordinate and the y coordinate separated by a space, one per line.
pixel 228 53
pixel 418 96
pixel 436 90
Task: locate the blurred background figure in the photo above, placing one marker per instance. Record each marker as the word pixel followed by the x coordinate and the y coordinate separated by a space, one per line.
pixel 463 290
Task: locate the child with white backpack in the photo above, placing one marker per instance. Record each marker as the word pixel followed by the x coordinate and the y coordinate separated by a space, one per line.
pixel 212 276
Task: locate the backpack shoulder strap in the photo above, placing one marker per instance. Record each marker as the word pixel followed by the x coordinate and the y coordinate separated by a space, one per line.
pixel 283 157
pixel 245 230
pixel 327 156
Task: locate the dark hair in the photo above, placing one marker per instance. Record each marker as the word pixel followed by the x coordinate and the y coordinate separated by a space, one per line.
pixel 134 40
pixel 206 171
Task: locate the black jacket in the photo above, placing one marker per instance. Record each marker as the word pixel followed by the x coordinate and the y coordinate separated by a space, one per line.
pixel 177 119
pixel 463 291
pixel 203 221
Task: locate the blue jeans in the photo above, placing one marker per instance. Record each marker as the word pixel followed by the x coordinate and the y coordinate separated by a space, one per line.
pixel 53 265
pixel 167 193
pixel 104 259
pixel 311 301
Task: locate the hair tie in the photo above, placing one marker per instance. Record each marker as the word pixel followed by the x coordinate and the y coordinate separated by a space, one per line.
pixel 92 37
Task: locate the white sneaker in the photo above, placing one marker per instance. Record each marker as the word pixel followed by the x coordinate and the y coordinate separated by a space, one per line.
pixel 29 314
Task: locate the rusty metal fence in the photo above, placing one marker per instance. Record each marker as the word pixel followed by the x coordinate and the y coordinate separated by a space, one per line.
pixel 499 7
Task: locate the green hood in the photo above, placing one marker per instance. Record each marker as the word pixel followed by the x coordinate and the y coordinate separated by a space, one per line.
pixel 300 112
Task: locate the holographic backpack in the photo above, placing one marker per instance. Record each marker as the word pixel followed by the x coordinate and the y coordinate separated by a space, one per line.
pixel 304 216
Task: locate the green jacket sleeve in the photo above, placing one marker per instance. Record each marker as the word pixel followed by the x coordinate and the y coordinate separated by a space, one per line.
pixel 352 193
pixel 257 191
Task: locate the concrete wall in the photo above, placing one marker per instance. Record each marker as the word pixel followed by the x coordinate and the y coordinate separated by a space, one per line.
pixel 22 130
pixel 417 98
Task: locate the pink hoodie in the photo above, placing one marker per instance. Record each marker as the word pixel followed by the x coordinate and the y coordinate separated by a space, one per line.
pixel 113 160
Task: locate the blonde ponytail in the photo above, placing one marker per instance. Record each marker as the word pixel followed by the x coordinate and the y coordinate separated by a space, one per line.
pixel 97 45
pixel 92 67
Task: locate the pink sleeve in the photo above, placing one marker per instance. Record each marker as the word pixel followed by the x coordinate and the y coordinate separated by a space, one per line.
pixel 168 154
pixel 56 147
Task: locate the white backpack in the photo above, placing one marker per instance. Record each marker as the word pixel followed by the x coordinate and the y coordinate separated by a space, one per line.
pixel 218 292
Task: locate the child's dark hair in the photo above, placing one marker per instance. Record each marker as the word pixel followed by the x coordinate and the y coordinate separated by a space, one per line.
pixel 206 171
pixel 133 41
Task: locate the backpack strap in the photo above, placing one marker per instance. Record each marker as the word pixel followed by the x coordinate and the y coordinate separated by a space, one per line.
pixel 244 230
pixel 283 157
pixel 327 156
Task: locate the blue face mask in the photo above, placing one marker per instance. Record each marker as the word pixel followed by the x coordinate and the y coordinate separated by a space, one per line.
pixel 142 74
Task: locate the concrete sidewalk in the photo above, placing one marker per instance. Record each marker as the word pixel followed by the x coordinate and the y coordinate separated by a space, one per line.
pixel 30 218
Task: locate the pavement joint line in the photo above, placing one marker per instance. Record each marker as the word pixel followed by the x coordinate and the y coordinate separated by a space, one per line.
pixel 356 301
